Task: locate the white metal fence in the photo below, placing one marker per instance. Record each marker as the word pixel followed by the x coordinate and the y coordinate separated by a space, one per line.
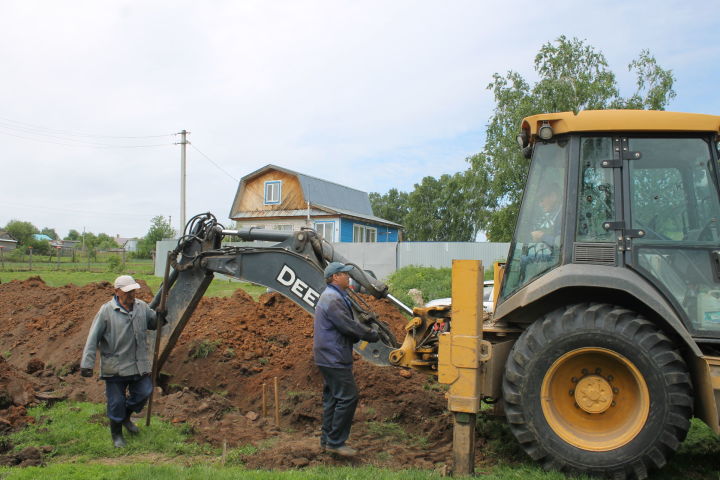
pixel 384 258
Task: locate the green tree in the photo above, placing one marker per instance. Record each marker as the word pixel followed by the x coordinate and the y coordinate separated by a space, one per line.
pixel 40 247
pixel 21 231
pixel 448 209
pixel 392 205
pixel 90 239
pixel 50 232
pixel 159 229
pixel 73 235
pixel 573 76
pixel 105 242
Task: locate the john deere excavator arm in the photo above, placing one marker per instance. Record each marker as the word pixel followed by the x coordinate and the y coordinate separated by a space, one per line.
pixel 293 267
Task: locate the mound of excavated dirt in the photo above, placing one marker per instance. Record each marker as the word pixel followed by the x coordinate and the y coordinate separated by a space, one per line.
pixel 220 396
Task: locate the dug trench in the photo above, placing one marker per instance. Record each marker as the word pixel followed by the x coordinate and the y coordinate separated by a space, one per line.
pixel 213 380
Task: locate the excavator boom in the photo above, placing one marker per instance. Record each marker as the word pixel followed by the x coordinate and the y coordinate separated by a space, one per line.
pixel 293 267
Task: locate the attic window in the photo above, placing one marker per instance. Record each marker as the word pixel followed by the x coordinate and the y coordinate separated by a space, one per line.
pixel 273 192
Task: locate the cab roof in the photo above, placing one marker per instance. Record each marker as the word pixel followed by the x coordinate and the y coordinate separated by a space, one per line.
pixel 622 121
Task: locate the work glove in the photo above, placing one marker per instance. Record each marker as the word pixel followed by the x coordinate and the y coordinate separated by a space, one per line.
pixel 86 372
pixel 373 336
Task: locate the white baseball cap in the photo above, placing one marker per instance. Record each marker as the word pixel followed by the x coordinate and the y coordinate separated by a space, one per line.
pixel 126 283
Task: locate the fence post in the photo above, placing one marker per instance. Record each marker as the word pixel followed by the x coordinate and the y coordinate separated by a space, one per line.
pixel 2 259
pixel 30 248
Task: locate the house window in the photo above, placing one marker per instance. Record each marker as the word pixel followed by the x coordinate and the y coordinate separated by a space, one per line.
pixel 361 233
pixel 283 227
pixel 273 192
pixel 326 230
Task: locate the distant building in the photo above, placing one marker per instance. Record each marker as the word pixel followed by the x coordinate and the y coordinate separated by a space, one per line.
pixel 7 241
pixel 129 244
pixel 68 246
pixel 280 199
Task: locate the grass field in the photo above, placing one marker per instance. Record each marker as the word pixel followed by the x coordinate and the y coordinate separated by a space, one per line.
pixel 58 278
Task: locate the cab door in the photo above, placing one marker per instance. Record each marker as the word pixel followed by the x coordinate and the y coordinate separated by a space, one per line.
pixel 671 234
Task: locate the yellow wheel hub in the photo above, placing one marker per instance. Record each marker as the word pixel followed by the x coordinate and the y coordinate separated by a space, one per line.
pixel 595 399
pixel 593 394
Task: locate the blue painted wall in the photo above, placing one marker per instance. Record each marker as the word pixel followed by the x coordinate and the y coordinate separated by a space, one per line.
pixel 384 233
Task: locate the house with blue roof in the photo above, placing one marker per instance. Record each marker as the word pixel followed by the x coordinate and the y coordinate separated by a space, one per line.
pixel 277 198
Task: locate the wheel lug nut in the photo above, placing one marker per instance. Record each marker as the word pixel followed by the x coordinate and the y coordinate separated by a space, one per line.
pixel 571 392
pixel 612 404
pixel 610 378
pixel 574 380
pixel 584 371
pixel 616 390
pixel 597 371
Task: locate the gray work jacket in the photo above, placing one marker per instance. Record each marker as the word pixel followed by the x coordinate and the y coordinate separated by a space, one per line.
pixel 121 337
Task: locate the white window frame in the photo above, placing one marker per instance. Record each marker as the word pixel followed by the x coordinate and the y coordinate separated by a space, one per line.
pixel 363 233
pixel 273 192
pixel 358 233
pixel 326 225
pixel 283 227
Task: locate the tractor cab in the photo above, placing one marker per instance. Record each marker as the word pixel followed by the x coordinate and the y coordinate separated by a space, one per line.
pixel 621 206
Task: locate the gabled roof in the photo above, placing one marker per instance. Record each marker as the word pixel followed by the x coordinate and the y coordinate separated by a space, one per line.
pixel 319 191
pixel 6 237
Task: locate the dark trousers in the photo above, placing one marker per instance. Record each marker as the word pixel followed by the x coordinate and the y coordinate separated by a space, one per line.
pixel 340 398
pixel 126 395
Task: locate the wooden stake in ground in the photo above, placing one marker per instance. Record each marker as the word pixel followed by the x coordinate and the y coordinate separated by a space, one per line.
pixel 264 400
pixel 277 403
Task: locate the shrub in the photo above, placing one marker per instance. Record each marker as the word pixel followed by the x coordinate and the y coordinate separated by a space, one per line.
pixel 432 282
pixel 115 265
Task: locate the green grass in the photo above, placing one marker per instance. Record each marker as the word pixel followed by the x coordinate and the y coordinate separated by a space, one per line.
pixel 203 348
pixel 395 433
pixel 82 450
pixel 81 430
pixel 177 472
pixel 55 278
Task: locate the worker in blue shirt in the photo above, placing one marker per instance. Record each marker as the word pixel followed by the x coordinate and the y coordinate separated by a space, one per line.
pixel 335 333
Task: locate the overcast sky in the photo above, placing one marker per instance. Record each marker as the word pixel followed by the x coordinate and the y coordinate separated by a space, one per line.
pixel 369 94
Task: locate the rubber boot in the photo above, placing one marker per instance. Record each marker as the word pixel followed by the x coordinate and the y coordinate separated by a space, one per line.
pixel 129 425
pixel 116 433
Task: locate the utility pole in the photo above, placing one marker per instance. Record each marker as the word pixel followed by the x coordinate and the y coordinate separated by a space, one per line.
pixel 183 143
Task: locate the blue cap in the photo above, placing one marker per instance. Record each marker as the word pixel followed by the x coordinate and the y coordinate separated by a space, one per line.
pixel 336 267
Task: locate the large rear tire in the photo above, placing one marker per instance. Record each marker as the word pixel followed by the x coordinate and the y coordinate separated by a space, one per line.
pixel 597 388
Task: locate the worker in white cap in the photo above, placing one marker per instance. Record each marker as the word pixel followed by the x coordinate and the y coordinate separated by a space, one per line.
pixel 119 332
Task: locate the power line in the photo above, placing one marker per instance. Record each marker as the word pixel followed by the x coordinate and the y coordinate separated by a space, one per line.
pixel 79 143
pixel 75 134
pixel 70 210
pixel 213 162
